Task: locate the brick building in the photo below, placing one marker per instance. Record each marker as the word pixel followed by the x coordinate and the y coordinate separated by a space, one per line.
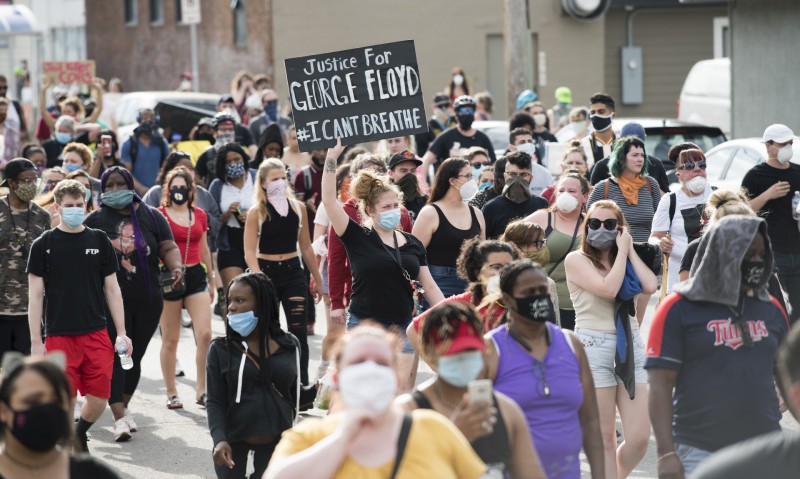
pixel 144 43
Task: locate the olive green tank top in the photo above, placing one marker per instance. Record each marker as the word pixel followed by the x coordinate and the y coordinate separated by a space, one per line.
pixel 559 245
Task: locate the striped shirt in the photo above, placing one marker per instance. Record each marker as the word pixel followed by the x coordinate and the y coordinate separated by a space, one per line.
pixel 639 217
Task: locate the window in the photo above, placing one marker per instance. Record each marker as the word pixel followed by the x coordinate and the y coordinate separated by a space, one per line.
pixel 239 23
pixel 743 160
pixel 156 11
pixel 178 12
pixel 722 37
pixel 717 162
pixel 130 12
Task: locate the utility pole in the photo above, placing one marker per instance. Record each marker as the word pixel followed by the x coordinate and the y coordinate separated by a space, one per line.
pixel 515 34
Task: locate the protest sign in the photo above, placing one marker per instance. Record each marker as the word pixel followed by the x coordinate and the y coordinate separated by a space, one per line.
pixel 69 72
pixel 358 95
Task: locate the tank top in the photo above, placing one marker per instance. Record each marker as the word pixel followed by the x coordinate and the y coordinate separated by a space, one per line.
pixel 494 449
pixel 558 243
pixel 594 312
pixel 279 234
pixel 553 420
pixel 445 244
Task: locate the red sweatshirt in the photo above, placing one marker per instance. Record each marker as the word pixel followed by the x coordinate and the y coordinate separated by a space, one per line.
pixel 340 279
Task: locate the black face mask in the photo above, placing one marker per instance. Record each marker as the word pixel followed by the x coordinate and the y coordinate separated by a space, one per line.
pixel 465 121
pixel 517 190
pixel 40 427
pixel 409 185
pixel 600 123
pixel 538 308
pixel 318 163
pixel 753 273
pixel 209 137
pixel 179 195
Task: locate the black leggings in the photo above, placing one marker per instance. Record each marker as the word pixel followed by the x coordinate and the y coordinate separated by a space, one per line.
pixel 290 284
pixel 141 321
pixel 239 450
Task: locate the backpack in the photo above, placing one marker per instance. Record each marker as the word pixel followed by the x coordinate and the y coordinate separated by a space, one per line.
pixel 673 202
pixel 135 149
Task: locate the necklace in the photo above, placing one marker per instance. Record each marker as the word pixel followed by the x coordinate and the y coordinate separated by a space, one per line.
pixel 447 402
pixel 35 469
pixel 539 368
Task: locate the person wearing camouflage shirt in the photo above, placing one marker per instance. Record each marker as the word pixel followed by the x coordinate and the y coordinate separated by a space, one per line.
pixel 21 222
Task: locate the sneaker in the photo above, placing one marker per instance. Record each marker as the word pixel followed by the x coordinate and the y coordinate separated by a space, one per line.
pixel 179 370
pixel 122 432
pixel 129 419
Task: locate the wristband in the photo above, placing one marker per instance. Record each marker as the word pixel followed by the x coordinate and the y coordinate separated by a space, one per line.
pixel 666 455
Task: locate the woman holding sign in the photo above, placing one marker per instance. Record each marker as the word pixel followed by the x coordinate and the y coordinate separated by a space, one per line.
pixel 389 267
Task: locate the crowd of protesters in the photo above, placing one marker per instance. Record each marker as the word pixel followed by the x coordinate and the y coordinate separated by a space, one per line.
pixel 525 293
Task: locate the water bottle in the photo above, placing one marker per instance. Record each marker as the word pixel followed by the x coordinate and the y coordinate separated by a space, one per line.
pixel 795 205
pixel 125 360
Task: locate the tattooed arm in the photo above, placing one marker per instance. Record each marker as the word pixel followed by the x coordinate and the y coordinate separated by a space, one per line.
pixel 336 213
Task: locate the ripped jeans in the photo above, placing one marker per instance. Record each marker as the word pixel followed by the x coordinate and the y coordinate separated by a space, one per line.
pixel 290 284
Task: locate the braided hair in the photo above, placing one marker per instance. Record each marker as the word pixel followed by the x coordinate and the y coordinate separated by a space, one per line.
pixel 474 254
pixel 441 324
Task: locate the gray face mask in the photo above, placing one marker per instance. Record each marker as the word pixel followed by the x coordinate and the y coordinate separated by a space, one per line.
pixel 601 238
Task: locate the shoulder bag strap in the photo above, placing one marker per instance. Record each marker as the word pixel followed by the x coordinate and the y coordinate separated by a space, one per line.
pixel 402 440
pixel 569 250
pixel 672 205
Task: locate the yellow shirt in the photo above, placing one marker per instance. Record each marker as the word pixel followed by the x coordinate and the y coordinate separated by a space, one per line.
pixel 435 449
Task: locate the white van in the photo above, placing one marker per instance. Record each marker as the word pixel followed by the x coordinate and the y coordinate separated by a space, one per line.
pixel 706 94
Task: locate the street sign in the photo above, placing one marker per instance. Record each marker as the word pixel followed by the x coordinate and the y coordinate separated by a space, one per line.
pixel 358 95
pixel 190 12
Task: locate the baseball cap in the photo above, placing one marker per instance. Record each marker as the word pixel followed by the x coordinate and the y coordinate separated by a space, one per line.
pixel 632 129
pixel 563 95
pixel 462 337
pixel 441 100
pixel 225 99
pixel 778 133
pixel 206 121
pixel 17 166
pixel 404 155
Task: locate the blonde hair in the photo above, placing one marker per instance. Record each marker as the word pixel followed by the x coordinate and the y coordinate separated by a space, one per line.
pixel 722 203
pixel 367 188
pixel 260 195
pixel 81 150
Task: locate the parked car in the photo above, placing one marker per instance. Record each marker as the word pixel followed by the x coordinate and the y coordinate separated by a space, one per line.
pixel 130 104
pixel 730 161
pixel 497 131
pixel 706 94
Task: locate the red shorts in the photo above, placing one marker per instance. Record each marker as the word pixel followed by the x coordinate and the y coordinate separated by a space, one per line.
pixel 90 361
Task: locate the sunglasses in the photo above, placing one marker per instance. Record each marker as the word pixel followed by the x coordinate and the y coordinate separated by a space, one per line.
pixel 689 165
pixel 609 224
pixel 465 111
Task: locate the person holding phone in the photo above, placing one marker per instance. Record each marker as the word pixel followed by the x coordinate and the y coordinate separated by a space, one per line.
pixel 595 275
pixel 451 340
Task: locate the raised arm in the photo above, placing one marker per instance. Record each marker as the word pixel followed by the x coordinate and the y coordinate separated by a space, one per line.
pixel 337 215
pixel 582 273
pixel 98 96
pixel 46 116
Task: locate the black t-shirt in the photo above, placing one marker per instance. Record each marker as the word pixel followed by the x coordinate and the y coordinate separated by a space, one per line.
pixel 775 455
pixel 85 466
pixel 540 139
pixel 782 227
pixel 444 143
pixel 380 291
pixel 243 136
pixel 74 271
pixel 120 231
pixel 654 168
pixel 501 211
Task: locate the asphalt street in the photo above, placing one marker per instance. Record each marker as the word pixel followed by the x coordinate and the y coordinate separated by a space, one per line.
pixel 176 443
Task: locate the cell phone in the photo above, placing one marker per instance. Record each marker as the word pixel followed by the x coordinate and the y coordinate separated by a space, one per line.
pixel 105 140
pixel 480 391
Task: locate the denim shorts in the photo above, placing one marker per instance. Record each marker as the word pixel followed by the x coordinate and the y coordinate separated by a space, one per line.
pixel 324 269
pixel 353 321
pixel 690 457
pixel 447 280
pixel 600 351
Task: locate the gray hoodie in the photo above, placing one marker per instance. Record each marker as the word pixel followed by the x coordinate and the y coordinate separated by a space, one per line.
pixel 716 272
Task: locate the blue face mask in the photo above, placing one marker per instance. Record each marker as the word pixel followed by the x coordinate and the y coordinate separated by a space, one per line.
pixel 459 369
pixel 117 199
pixel 243 323
pixel 72 216
pixel 390 219
pixel 88 194
pixel 234 170
pixel 476 171
pixel 71 167
pixel 63 138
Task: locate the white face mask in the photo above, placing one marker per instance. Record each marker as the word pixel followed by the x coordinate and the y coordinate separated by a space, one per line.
pixel 540 119
pixel 566 203
pixel 368 385
pixel 578 127
pixel 785 154
pixel 697 184
pixel 458 80
pixel 467 189
pixel 493 285
pixel 528 148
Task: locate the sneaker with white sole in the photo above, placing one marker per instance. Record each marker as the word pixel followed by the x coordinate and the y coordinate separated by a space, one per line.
pixel 121 430
pixel 129 419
